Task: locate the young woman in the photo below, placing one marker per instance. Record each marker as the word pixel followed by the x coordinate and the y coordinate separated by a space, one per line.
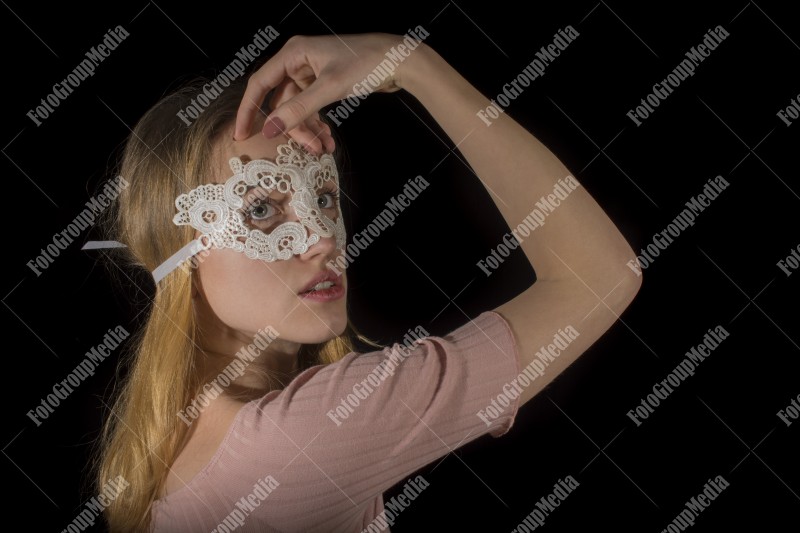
pixel 310 433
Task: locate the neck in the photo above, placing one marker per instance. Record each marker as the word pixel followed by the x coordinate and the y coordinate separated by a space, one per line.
pixel 256 372
pixel 224 350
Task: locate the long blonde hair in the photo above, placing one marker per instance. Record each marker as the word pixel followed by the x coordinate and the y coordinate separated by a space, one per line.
pixel 142 435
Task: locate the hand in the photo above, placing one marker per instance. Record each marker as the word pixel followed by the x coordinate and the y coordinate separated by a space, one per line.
pixel 309 73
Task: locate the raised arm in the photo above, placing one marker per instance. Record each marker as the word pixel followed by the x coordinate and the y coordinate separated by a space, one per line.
pixel 579 255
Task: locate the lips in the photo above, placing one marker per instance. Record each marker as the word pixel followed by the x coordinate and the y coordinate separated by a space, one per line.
pixel 328 275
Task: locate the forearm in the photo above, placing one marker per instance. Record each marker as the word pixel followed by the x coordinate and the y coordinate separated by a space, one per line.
pixel 519 170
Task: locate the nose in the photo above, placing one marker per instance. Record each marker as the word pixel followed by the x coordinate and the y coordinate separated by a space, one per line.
pixel 324 248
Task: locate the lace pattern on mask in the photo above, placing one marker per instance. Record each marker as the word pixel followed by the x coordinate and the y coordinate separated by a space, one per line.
pixel 215 210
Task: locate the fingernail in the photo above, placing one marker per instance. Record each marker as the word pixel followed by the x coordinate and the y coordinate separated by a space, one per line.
pixel 273 127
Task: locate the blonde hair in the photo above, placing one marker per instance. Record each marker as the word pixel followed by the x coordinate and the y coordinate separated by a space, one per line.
pixel 142 435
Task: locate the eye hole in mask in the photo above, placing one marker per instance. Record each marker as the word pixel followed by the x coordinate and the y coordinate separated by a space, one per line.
pixel 264 211
pixel 268 210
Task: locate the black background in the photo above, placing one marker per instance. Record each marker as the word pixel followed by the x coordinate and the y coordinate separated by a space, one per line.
pixel 721 121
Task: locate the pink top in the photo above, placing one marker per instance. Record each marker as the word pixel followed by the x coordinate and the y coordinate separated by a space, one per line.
pixel 285 464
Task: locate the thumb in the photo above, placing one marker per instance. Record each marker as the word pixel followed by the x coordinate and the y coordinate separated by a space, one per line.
pixel 294 111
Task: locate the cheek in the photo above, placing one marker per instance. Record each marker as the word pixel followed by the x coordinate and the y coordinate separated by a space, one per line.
pixel 245 293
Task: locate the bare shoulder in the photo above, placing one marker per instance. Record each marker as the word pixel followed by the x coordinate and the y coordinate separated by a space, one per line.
pixel 205 437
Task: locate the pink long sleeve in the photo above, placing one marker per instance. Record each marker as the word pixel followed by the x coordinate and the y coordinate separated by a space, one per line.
pixel 308 472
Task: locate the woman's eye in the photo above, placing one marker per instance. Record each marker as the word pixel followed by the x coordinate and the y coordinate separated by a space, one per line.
pixel 333 199
pixel 259 210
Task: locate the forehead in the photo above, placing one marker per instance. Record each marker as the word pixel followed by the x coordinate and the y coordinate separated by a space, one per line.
pixel 256 146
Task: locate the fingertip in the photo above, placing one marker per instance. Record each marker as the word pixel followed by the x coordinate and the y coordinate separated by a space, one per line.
pixel 315 147
pixel 273 127
pixel 330 145
pixel 241 126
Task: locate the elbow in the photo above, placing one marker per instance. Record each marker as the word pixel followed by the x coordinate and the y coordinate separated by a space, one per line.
pixel 631 280
pixel 622 280
pixel 628 266
pixel 636 284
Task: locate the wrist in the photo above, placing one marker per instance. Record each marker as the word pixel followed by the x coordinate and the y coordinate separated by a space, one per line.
pixel 416 69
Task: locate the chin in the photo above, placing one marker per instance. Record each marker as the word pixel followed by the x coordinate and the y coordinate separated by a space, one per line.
pixel 320 337
pixel 316 326
pixel 336 326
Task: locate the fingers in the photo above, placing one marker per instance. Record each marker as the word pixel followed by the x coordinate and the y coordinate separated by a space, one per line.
pixel 312 133
pixel 299 95
pixel 321 140
pixel 265 78
pixel 290 63
pixel 296 110
pixel 327 137
pixel 285 90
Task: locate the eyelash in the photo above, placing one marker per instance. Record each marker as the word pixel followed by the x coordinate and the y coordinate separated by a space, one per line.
pixel 260 202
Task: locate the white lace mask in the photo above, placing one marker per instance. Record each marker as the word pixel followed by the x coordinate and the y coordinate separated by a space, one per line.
pixel 225 213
